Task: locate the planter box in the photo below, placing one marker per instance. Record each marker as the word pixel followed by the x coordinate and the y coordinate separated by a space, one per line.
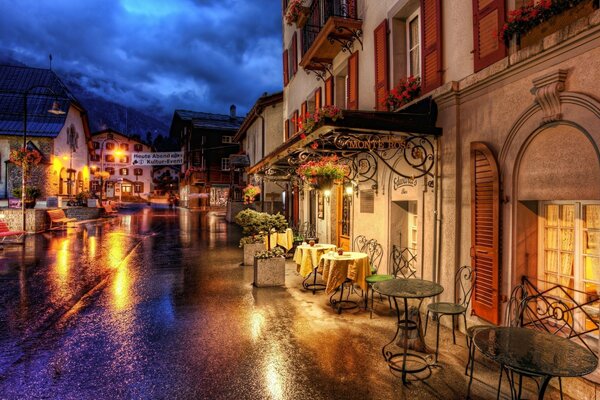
pixel 92 203
pixel 250 250
pixel 269 271
pixel 556 23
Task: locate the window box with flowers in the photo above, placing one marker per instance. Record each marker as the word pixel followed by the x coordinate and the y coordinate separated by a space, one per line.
pixel 310 122
pixel 250 192
pixel 322 174
pixel 531 23
pixel 405 91
pixel 297 13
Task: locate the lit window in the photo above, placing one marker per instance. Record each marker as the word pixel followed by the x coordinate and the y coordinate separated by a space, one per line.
pixel 109 158
pixel 124 171
pixel 109 146
pixel 110 170
pixel 227 139
pixel 124 146
pixel 138 187
pixel 225 164
pixel 414 45
pixel 138 172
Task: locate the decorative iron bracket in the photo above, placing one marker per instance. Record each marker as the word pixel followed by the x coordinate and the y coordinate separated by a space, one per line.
pixel 321 70
pixel 346 37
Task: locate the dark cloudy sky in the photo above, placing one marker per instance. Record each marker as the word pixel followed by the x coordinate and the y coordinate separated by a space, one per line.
pixel 157 55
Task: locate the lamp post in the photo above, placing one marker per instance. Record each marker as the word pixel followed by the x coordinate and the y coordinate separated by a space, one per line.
pixel 54 110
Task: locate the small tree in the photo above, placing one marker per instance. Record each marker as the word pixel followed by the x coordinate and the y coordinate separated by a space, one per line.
pixel 257 223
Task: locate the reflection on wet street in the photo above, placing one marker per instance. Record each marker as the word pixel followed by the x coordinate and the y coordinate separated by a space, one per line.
pixel 156 305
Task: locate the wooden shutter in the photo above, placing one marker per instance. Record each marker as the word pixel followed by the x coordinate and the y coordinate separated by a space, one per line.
pixel 352 100
pixel 485 232
pixel 294 54
pixel 318 98
pixel 431 39
pixel 381 65
pixel 304 110
pixel 286 127
pixel 488 19
pixel 294 123
pixel 285 68
pixel 329 91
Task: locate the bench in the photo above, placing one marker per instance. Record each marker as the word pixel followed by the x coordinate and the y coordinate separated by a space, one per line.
pixel 109 210
pixel 58 217
pixel 6 233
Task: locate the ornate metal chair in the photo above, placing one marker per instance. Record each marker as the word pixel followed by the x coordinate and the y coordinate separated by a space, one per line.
pixel 360 243
pixel 375 254
pixel 464 282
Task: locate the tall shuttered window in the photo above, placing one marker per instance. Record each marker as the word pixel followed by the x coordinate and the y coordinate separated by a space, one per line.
pixel 413 44
pixel 488 19
pixel 485 232
pixel 352 83
pixel 285 68
pixel 381 65
pixel 329 91
pixel 318 101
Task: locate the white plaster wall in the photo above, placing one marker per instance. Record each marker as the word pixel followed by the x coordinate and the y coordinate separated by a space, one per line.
pixel 62 151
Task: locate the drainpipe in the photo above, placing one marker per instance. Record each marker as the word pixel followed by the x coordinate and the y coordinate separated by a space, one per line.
pixel 437 193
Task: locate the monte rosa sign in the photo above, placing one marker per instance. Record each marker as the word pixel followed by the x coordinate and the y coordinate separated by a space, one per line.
pixel 166 158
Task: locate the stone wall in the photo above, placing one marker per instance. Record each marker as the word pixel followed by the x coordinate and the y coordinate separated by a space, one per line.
pixel 38 221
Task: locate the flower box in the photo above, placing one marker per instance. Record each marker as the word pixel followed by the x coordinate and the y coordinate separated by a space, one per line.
pixel 269 271
pixel 555 23
pixel 250 250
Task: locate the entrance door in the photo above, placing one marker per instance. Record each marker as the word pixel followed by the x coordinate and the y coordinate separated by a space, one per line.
pixel 343 218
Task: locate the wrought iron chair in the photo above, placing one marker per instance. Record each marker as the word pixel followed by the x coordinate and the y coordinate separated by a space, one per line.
pixel 360 243
pixel 375 254
pixel 512 318
pixel 464 282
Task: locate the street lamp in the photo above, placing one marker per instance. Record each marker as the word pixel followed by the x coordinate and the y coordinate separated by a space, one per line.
pixel 54 110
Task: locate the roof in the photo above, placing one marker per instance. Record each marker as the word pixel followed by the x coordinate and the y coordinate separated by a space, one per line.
pixel 263 101
pixel 203 120
pixel 132 138
pixel 42 87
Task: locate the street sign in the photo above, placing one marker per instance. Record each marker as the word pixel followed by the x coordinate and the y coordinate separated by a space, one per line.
pixel 164 158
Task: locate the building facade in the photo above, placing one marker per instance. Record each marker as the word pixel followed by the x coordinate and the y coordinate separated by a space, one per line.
pixel 207 142
pixel 495 164
pixel 62 139
pixel 113 154
pixel 260 134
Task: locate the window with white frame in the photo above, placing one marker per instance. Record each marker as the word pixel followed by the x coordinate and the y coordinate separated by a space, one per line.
pixel 569 250
pixel 224 164
pixel 413 44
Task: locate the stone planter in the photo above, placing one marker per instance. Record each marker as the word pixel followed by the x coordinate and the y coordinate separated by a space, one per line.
pixel 92 203
pixel 269 271
pixel 250 250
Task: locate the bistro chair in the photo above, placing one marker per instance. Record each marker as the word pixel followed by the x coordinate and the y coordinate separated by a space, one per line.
pixel 360 243
pixel 375 254
pixel 464 281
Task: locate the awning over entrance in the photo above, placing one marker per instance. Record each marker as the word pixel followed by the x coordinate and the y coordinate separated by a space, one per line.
pixel 403 141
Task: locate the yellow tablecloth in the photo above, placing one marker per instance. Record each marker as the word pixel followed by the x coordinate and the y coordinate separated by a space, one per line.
pixel 307 257
pixel 285 240
pixel 335 269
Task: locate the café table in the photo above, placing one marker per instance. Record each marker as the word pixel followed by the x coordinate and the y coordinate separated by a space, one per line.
pixel 283 239
pixel 338 269
pixel 307 259
pixel 406 289
pixel 536 353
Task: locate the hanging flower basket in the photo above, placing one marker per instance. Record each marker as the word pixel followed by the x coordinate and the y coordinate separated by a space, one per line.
pixel 323 173
pixel 250 192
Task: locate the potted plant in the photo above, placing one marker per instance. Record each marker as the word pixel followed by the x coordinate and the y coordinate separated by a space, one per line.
pixel 255 226
pixel 82 198
pixel 250 192
pixel 405 91
pixel 269 268
pixel 31 195
pixel 323 173
pixel 296 13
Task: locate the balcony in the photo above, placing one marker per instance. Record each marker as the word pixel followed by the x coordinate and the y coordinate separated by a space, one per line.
pixel 332 27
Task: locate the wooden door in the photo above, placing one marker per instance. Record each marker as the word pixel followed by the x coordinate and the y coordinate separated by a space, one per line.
pixel 344 204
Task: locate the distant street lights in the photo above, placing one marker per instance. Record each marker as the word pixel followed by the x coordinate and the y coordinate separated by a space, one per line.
pixel 102 174
pixel 54 110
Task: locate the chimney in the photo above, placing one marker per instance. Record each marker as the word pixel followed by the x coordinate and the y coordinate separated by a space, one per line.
pixel 232 111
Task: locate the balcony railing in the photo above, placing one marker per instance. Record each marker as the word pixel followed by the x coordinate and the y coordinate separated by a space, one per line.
pixel 332 25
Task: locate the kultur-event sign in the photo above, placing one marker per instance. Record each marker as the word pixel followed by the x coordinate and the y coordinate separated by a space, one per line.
pixel 165 158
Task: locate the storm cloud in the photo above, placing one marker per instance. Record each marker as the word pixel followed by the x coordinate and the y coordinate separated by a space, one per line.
pixel 154 55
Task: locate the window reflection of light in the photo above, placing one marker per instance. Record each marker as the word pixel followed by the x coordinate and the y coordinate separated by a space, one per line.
pixel 121 289
pixel 116 250
pixel 257 321
pixel 92 246
pixel 274 379
pixel 62 261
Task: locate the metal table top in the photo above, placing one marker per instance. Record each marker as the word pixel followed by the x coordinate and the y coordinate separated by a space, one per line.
pixel 408 288
pixel 535 352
